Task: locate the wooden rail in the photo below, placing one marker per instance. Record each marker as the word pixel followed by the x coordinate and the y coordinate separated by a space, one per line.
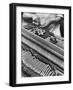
pixel 53 53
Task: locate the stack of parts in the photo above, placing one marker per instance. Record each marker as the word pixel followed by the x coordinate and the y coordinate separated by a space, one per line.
pixel 35 65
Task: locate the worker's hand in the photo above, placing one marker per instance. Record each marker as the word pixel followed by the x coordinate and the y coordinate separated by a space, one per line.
pixel 49 18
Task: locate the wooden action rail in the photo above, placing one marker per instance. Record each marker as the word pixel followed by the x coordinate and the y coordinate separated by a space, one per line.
pixel 53 53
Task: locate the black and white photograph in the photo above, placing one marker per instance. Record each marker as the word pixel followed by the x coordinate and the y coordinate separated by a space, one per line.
pixel 40 45
pixel 49 30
